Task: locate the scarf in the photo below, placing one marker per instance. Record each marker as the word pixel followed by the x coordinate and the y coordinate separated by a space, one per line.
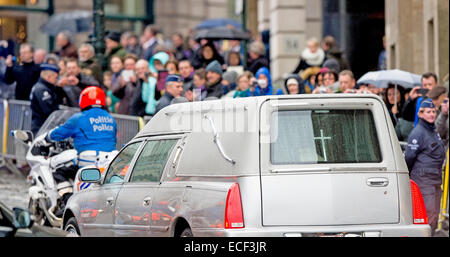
pixel 313 59
pixel 245 93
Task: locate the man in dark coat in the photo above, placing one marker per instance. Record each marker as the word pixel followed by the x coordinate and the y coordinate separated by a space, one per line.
pixel 88 63
pixel 73 82
pixel 113 48
pixel 429 81
pixel 25 75
pixel 214 79
pixel 67 49
pixel 257 59
pixel 187 72
pixel 44 96
pixel 150 42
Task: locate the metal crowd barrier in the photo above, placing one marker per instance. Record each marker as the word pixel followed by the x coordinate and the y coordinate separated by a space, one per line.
pixel 443 215
pixel 2 114
pixel 16 115
pixel 127 128
pixel 19 118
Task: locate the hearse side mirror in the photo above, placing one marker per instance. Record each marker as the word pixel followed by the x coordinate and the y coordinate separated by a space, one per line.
pixel 91 175
pixel 22 218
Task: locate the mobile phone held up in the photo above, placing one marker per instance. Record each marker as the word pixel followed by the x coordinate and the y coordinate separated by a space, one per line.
pixel 161 82
pixel 422 91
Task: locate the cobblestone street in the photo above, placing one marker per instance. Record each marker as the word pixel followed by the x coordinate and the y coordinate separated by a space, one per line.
pixel 13 190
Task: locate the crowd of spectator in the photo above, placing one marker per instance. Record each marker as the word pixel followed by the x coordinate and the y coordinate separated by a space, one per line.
pixel 144 73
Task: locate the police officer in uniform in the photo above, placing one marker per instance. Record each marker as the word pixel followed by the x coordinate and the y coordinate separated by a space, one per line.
pixel 424 156
pixel 94 136
pixel 44 96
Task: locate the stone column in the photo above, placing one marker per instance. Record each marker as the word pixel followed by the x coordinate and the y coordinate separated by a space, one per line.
pixel 404 35
pixel 436 29
pixel 287 35
pixel 34 22
pixel 442 39
pixel 263 15
pixel 252 16
pixel 314 19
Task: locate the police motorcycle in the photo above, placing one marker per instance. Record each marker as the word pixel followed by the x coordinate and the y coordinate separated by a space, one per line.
pixel 44 193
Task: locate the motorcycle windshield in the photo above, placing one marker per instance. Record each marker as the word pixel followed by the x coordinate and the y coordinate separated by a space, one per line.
pixel 55 119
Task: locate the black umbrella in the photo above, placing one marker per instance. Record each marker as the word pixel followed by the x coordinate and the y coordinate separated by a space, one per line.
pixel 74 22
pixel 222 33
pixel 219 22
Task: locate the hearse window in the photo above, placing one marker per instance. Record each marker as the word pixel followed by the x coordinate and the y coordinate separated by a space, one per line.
pixel 150 164
pixel 324 136
pixel 119 167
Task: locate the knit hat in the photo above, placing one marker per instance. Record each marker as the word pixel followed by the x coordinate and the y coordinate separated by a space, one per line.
pixel 114 36
pixel 214 66
pixel 292 81
pixel 230 76
pixel 427 103
pixel 332 64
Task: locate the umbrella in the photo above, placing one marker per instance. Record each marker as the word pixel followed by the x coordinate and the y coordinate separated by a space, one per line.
pixel 74 22
pixel 381 79
pixel 213 23
pixel 221 33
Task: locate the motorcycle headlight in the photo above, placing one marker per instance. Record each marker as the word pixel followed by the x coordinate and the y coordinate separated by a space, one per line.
pixel 31 180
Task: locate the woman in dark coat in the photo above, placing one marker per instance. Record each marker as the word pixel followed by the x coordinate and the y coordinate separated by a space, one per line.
pixel 208 54
pixel 389 100
pixel 424 155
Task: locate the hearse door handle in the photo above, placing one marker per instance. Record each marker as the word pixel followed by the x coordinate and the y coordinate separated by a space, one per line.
pixel 147 201
pixel 110 201
pixel 377 182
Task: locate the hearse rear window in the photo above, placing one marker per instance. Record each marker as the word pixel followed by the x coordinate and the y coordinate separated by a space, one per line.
pixel 324 136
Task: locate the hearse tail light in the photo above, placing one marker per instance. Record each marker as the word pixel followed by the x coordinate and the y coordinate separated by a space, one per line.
pixel 234 217
pixel 419 211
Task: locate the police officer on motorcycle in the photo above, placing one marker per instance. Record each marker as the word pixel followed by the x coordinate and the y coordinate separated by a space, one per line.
pixel 94 136
pixel 424 156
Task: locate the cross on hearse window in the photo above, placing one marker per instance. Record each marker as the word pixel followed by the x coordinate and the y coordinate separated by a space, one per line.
pixel 322 139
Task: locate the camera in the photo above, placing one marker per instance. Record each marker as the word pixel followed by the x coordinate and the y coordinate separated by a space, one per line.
pixel 422 91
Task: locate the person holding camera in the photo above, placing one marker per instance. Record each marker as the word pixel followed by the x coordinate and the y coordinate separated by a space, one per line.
pixel 25 75
pixel 417 94
pixel 246 85
pixel 125 85
pixel 143 101
pixel 74 81
pixel 442 122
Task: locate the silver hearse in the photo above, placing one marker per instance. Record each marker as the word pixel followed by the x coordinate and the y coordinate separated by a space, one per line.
pixel 303 165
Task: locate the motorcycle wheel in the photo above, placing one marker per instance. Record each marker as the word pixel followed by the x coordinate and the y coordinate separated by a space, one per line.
pixel 72 226
pixel 35 210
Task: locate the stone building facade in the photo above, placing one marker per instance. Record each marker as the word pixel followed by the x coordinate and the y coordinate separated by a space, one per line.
pixel 417 36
